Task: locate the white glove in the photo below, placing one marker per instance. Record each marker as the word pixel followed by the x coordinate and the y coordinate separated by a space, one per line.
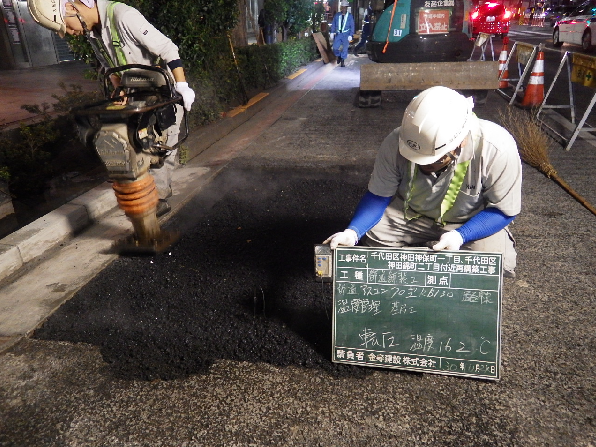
pixel 452 240
pixel 188 95
pixel 347 238
pixel 331 36
pixel 349 38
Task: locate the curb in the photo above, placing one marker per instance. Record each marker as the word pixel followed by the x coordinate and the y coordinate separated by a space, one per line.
pixel 32 241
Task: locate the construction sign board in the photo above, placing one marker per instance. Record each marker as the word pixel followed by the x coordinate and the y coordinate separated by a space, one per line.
pixel 583 70
pixel 524 52
pixel 433 21
pixel 418 309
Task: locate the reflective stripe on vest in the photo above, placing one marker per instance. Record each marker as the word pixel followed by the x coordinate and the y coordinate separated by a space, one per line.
pixel 343 19
pixel 120 56
pixel 449 200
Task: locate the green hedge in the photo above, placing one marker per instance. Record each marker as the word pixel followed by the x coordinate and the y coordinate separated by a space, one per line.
pixel 262 66
pixel 221 85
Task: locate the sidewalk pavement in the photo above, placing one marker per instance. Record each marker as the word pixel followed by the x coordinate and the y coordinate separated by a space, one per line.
pixel 30 86
pixel 76 232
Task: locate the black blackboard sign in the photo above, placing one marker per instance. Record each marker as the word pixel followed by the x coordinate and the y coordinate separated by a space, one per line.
pixel 417 309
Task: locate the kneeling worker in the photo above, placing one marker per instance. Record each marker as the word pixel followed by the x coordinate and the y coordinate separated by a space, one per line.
pixel 444 176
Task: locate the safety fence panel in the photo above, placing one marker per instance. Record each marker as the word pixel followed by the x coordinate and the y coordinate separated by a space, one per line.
pixel 523 54
pixel 481 43
pixel 579 69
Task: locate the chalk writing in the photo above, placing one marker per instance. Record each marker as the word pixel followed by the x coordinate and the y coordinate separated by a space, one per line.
pixel 414 309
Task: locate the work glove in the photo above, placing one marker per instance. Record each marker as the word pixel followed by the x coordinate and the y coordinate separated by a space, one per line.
pixel 349 38
pixel 331 36
pixel 452 240
pixel 347 238
pixel 188 95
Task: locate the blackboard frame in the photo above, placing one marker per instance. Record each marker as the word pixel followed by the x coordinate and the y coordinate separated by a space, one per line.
pixel 382 295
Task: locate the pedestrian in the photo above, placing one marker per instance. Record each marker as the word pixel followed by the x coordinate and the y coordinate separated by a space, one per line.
pixel 342 30
pixel 266 27
pixel 365 31
pixel 120 35
pixel 444 179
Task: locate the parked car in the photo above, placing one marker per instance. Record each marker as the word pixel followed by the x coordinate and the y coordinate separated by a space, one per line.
pixel 578 28
pixel 490 18
pixel 557 13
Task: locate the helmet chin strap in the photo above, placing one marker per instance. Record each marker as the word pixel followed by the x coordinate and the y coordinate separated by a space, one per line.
pixel 86 30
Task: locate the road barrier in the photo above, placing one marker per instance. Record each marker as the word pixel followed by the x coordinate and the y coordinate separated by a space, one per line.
pixel 580 69
pixel 577 68
pixel 481 42
pixel 524 54
pixel 532 19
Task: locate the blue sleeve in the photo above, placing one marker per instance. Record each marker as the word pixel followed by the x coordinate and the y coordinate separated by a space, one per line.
pixel 486 223
pixel 368 213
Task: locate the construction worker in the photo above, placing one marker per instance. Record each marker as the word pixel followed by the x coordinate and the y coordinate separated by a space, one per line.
pixel 364 35
pixel 120 35
pixel 342 30
pixel 444 179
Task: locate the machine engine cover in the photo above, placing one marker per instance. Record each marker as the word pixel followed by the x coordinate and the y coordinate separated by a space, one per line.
pixel 113 149
pixel 139 78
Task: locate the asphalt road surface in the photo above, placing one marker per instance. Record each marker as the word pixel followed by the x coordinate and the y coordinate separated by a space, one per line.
pixel 224 340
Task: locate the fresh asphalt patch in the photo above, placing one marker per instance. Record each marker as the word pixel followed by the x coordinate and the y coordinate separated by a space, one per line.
pixel 238 285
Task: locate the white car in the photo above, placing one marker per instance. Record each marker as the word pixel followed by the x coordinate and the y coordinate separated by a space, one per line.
pixel 578 28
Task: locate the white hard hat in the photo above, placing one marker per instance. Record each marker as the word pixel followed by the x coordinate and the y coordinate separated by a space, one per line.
pixel 434 123
pixel 344 3
pixel 48 13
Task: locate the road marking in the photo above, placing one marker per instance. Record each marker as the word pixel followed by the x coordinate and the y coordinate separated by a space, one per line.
pixel 296 74
pixel 251 102
pixel 536 33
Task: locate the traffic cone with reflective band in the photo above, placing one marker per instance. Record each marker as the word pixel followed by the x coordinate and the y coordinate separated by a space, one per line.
pixel 503 69
pixel 535 89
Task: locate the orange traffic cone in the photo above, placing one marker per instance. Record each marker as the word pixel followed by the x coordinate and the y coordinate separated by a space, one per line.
pixel 535 89
pixel 503 69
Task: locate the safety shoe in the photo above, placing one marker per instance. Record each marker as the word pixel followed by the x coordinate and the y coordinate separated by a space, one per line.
pixel 339 60
pixel 163 207
pixel 508 274
pixel 342 63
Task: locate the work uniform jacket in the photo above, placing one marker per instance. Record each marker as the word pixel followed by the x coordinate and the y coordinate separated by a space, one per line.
pixel 343 24
pixel 493 176
pixel 141 42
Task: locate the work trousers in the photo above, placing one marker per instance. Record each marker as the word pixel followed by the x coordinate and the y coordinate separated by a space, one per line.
pixel 163 175
pixel 393 230
pixel 341 45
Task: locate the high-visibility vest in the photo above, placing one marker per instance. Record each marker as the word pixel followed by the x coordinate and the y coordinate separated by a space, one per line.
pixel 449 200
pixel 116 42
